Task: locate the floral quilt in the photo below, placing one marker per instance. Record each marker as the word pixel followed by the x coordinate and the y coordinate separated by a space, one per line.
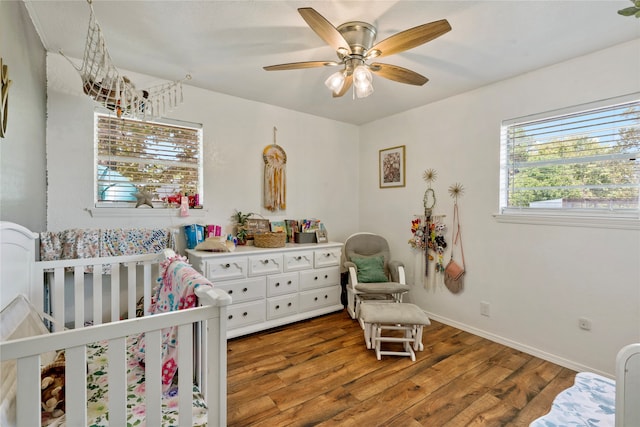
pixel 98 394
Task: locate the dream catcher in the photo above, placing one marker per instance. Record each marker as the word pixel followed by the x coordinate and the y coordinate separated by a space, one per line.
pixel 275 176
pixel 103 83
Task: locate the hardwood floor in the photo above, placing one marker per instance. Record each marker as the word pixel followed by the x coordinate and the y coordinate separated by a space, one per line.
pixel 319 373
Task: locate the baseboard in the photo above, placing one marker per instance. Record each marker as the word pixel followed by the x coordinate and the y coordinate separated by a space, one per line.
pixel 569 364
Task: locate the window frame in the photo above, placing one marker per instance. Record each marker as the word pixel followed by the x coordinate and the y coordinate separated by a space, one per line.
pixel 561 216
pixel 123 207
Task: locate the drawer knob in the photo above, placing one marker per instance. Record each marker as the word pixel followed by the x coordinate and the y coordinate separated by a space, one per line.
pixel 289 282
pixel 277 284
pixel 226 265
pixel 315 278
pixel 315 299
pixel 230 291
pixel 277 307
pixel 265 261
pixel 289 305
pixel 298 258
pixel 230 316
pixel 326 296
pixel 245 314
pixel 326 276
pixel 327 255
pixel 245 290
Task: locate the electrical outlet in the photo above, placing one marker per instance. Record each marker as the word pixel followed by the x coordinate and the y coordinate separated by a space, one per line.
pixel 584 323
pixel 484 308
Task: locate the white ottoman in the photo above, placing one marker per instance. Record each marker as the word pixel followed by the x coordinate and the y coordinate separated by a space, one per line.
pixel 378 317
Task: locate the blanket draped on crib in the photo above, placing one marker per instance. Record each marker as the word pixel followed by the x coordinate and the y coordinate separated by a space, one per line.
pixel 91 243
pixel 175 291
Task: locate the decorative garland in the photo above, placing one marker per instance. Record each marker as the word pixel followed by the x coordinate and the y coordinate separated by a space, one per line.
pixel 428 231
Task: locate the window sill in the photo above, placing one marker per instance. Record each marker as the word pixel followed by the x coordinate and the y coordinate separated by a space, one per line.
pixel 570 221
pixel 144 212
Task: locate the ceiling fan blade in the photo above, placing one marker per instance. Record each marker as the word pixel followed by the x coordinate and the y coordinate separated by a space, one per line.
pixel 345 87
pixel 398 74
pixel 409 39
pixel 300 65
pixel 324 29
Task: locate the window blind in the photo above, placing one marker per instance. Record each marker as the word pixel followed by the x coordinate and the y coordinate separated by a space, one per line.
pixel 581 161
pixel 164 159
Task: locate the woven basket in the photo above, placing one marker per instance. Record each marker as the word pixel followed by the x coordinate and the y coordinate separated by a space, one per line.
pixel 270 240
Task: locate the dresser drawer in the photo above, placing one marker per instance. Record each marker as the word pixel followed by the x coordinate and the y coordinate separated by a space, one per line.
pixel 244 290
pixel 282 306
pixel 226 268
pixel 260 265
pixel 319 298
pixel 281 284
pixel 294 261
pixel 327 257
pixel 319 278
pixel 245 314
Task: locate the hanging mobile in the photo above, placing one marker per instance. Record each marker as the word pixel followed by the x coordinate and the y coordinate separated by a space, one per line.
pixel 429 201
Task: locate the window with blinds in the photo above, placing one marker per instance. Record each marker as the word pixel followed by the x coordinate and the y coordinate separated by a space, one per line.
pixel 585 160
pixel 161 158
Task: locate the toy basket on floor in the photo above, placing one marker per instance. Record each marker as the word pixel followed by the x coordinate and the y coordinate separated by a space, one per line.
pixel 270 240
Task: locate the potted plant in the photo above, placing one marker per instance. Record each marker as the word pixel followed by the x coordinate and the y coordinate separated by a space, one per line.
pixel 241 226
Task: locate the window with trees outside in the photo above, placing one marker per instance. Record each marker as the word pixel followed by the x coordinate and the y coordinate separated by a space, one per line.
pixel 583 161
pixel 163 158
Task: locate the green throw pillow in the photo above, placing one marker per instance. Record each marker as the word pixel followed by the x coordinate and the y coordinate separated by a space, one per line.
pixel 370 270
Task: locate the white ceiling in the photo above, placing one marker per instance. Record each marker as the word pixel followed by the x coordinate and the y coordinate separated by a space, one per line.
pixel 225 44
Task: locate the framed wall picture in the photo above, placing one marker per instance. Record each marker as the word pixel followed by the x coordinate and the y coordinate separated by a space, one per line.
pixel 392 167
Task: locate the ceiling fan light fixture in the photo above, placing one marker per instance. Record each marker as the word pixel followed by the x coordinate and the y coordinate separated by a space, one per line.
pixel 335 81
pixel 354 43
pixel 362 81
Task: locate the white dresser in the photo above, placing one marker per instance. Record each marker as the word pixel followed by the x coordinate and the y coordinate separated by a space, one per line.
pixel 274 286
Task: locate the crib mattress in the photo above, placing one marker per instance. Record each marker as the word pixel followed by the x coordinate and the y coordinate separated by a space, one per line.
pixel 98 393
pixel 590 402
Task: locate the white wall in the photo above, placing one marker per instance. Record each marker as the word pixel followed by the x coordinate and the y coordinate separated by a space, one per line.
pixel 321 178
pixel 22 151
pixel 538 279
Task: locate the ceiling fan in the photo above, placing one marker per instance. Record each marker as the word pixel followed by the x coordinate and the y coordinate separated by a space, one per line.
pixel 354 45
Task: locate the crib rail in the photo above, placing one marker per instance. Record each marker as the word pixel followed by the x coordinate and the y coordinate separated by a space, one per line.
pixel 68 281
pixel 212 314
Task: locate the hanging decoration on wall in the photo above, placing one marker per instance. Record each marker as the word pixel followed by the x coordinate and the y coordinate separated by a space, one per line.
pixel 103 83
pixel 454 272
pixel 429 201
pixel 275 176
pixel 4 98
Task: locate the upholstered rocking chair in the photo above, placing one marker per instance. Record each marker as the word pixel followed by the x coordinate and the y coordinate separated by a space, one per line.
pixel 372 273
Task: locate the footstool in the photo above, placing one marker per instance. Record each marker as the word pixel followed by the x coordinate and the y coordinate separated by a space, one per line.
pixel 379 317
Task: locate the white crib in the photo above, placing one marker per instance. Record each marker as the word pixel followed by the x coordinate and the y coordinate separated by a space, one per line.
pixel 201 336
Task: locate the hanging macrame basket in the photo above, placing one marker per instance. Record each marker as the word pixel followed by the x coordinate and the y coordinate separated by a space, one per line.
pixel 103 83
